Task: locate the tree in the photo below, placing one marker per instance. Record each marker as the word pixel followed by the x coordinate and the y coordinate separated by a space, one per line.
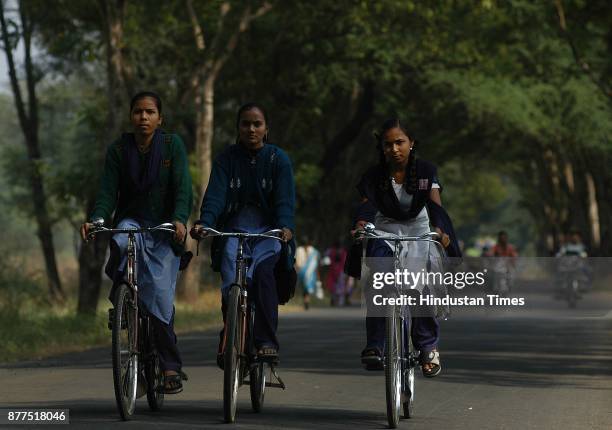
pixel 233 19
pixel 118 79
pixel 12 35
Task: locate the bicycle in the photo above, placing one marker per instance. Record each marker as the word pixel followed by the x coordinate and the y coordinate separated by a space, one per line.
pixel 501 274
pixel 572 277
pixel 133 345
pixel 399 357
pixel 238 346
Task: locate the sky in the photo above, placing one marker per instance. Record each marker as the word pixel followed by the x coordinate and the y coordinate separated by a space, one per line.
pixel 5 86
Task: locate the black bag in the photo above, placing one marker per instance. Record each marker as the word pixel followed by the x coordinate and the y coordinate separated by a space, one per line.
pixel 285 275
pixel 352 264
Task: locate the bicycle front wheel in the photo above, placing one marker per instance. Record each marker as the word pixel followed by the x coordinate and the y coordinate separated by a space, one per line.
pixel 258 386
pixel 393 367
pixel 124 351
pixel 232 355
pixel 408 392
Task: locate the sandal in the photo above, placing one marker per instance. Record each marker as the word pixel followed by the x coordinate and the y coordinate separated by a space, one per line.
pixel 433 358
pixel 173 383
pixel 268 353
pixel 372 359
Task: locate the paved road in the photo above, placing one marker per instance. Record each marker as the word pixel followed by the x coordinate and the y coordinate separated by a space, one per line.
pixel 542 367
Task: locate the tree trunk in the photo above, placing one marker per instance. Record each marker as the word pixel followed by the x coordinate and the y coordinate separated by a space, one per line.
pixel 599 162
pixel 28 120
pixel 189 287
pixel 91 258
pixel 325 200
pixel 92 255
pixel 45 235
pixel 203 87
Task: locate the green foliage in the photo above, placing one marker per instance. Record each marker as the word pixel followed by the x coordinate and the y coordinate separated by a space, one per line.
pixel 307 177
pixel 472 192
pixel 480 84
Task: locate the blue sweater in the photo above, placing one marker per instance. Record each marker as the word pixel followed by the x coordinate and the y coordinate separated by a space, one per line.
pixel 238 178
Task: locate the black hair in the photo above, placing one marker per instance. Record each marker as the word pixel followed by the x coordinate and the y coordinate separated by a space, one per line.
pixel 142 95
pixel 410 181
pixel 249 106
pixel 503 232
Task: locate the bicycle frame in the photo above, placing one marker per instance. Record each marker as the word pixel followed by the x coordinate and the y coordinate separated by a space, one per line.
pixel 132 271
pixel 399 359
pixel 238 329
pixel 139 350
pixel 241 280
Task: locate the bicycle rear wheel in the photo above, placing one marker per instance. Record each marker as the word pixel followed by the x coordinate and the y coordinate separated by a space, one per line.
pixel 153 372
pixel 232 355
pixel 393 367
pixel 124 351
pixel 257 372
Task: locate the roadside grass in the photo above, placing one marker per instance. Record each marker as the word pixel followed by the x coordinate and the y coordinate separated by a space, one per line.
pixel 31 328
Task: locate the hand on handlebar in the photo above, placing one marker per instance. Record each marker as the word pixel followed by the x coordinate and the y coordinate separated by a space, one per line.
pixel 85 227
pixel 180 231
pixel 359 225
pixel 287 234
pixel 443 238
pixel 197 232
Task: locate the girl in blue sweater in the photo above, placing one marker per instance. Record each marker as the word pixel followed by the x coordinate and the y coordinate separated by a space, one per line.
pixel 251 189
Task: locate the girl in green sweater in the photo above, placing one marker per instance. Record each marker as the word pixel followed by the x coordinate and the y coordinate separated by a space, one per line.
pixel 146 182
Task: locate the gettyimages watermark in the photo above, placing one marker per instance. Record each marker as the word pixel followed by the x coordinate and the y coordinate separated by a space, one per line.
pixel 577 286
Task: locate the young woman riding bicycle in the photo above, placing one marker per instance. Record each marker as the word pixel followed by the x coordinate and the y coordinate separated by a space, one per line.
pixel 251 189
pixel 146 182
pixel 401 195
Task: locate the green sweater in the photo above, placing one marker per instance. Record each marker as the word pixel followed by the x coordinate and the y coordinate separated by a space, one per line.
pixel 169 199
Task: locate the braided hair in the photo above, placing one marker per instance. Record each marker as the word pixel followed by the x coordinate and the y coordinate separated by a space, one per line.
pixel 410 179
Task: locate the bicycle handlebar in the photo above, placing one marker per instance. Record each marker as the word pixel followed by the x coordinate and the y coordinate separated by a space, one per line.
pixel 270 234
pixel 369 233
pixel 97 228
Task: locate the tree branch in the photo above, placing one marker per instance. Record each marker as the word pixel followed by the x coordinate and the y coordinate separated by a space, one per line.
pixel 198 34
pixel 244 23
pixel 225 9
pixel 200 41
pixel 577 58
